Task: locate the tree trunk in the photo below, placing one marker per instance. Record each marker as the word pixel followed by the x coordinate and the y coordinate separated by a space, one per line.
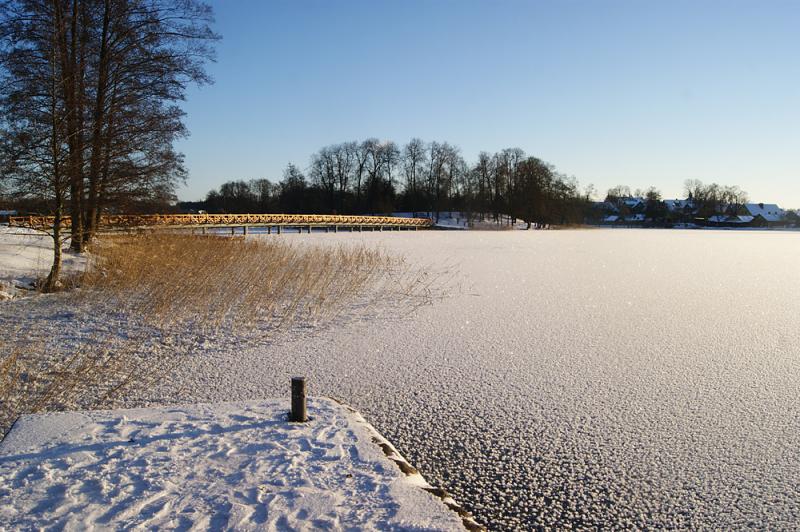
pixel 68 54
pixel 97 131
pixel 51 283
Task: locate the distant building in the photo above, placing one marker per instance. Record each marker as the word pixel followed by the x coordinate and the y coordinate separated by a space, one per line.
pixel 768 212
pixel 634 204
pixel 635 211
pixel 729 220
pixel 678 205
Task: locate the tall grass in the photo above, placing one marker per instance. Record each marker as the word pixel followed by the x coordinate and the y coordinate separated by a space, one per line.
pixel 89 376
pixel 207 282
pixel 183 285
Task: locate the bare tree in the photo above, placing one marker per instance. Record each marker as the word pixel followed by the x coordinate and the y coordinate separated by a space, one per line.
pixel 414 158
pixel 89 97
pixel 145 54
pixel 32 104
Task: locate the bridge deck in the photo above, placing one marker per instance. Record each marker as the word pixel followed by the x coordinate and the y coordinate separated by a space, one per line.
pixel 133 221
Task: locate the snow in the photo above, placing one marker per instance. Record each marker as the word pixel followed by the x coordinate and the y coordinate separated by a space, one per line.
pixel 566 382
pixel 677 204
pixel 769 211
pixel 442 219
pixel 26 255
pixel 222 466
pixel 725 218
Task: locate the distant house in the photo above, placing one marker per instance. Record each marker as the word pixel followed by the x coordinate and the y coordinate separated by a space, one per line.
pixel 765 214
pixel 629 219
pixel 606 206
pixel 634 204
pixel 768 211
pixel 677 205
pixel 729 220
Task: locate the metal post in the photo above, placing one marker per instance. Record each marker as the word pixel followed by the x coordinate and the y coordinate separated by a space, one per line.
pixel 279 229
pixel 244 230
pixel 233 231
pixel 299 413
pixel 269 229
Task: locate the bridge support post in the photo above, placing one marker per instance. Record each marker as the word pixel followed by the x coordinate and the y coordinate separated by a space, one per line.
pixel 335 228
pixel 269 229
pixel 244 230
pixel 279 229
pixel 202 230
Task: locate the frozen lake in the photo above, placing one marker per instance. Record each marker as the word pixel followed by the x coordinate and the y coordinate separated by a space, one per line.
pixel 640 378
pixel 588 378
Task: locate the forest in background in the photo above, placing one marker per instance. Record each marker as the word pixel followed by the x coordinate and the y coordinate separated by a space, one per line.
pixel 373 177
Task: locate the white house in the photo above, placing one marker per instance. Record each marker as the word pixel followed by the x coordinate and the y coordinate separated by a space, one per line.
pixel 677 204
pixel 729 220
pixel 769 211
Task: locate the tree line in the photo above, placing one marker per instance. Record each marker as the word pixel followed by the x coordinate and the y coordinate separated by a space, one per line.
pixel 702 201
pixel 89 103
pixel 381 177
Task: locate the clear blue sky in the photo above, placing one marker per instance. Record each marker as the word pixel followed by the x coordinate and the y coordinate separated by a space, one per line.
pixel 638 93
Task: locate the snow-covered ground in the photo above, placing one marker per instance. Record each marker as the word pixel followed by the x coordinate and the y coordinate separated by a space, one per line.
pixel 586 378
pixel 25 256
pixel 461 220
pixel 235 466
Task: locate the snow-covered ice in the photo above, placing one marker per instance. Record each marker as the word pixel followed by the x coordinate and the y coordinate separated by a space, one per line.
pixel 587 378
pixel 26 255
pixel 235 466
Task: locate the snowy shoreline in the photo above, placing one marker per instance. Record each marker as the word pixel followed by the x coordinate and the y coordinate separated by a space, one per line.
pixel 239 465
pixel 25 256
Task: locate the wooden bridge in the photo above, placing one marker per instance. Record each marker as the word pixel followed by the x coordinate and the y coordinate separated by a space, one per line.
pixel 278 222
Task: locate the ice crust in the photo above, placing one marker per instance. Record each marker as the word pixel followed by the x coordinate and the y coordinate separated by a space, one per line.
pixel 581 378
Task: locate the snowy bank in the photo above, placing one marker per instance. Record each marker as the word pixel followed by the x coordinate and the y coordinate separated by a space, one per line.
pixel 230 465
pixel 26 255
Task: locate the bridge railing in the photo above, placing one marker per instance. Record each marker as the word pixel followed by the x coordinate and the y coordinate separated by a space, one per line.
pixel 123 221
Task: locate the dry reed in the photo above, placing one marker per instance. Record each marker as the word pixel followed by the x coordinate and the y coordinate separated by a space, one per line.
pixel 36 377
pixel 181 286
pixel 207 282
